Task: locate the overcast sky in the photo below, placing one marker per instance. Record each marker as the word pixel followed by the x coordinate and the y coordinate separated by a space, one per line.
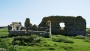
pixel 19 10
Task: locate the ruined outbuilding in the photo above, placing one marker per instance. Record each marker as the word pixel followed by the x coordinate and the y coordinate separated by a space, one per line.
pixel 73 25
pixel 14 31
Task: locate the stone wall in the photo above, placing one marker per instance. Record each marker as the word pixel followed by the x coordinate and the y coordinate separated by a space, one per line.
pixel 23 33
pixel 17 33
pixel 73 25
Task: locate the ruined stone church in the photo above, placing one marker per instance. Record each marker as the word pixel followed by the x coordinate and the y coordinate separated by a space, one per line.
pixel 51 25
pixel 73 25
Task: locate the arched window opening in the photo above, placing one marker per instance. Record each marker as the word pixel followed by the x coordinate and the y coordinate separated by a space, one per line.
pixel 62 25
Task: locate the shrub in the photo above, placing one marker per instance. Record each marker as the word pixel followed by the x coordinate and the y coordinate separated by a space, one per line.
pixel 87 39
pixel 12 48
pixel 47 35
pixel 51 48
pixel 26 40
pixel 67 47
pixel 88 31
pixel 27 24
pixel 79 37
pixel 34 27
pixel 60 38
pixel 68 41
pixel 5 44
pixel 46 45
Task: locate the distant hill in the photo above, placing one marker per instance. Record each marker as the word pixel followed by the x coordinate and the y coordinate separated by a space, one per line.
pixel 3 27
pixel 87 29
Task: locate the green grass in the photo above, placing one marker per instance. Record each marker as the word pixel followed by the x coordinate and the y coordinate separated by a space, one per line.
pixel 87 29
pixel 46 44
pixel 3 32
pixel 79 45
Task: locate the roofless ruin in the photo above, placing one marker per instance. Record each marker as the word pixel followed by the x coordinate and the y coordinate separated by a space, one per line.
pixel 51 25
pixel 73 25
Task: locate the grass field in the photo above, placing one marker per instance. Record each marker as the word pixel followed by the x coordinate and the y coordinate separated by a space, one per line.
pixel 87 29
pixel 47 44
pixel 3 32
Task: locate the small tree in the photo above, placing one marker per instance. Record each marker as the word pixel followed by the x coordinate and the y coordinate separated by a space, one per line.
pixel 27 24
pixel 20 23
pixel 34 27
pixel 9 28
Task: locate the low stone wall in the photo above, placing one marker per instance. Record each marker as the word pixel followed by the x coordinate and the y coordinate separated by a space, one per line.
pixel 17 33
pixel 22 33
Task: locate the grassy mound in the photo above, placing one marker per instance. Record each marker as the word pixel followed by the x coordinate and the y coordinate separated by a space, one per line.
pixel 60 38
